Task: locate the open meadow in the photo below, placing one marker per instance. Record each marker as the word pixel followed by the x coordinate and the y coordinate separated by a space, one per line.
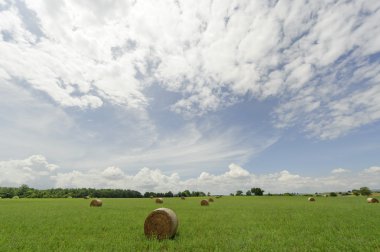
pixel 228 224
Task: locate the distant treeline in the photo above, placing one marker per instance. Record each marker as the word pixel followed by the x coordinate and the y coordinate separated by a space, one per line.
pixel 25 191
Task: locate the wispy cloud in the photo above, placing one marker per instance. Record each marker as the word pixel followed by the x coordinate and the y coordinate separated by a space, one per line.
pixel 312 57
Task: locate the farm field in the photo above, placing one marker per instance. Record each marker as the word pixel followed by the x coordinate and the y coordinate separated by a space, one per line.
pixel 228 224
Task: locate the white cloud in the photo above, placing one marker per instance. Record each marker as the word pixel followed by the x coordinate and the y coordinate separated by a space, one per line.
pixel 34 171
pixel 236 178
pixel 193 147
pixel 37 169
pixel 113 172
pixel 339 170
pixel 236 171
pixel 313 57
pixel 373 170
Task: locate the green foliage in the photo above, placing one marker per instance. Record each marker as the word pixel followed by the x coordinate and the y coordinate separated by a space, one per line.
pixel 26 192
pixel 365 191
pixel 288 194
pixel 331 224
pixel 257 191
pixel 333 194
pixel 239 193
pixel 355 192
pixel 248 193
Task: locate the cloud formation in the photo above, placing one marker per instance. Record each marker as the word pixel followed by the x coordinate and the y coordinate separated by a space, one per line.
pixel 339 170
pixel 372 170
pixel 36 168
pixel 34 171
pixel 320 60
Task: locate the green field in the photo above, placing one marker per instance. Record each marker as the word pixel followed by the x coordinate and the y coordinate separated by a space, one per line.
pixel 228 224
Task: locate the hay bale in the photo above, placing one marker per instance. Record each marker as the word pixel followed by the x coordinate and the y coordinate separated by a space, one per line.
pixel 96 203
pixel 210 200
pixel 204 202
pixel 86 197
pixel 372 200
pixel 182 198
pixel 311 199
pixel 162 223
pixel 159 201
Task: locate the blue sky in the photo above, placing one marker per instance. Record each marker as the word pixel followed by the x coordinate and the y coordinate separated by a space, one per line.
pixel 171 95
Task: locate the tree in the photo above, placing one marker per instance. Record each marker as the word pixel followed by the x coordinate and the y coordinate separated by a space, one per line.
pixel 169 194
pixel 355 192
pixel 186 193
pixel 365 191
pixel 239 193
pixel 257 191
pixel 24 191
pixel 248 193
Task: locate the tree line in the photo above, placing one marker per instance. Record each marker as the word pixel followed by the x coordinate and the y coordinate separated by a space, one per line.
pixel 24 191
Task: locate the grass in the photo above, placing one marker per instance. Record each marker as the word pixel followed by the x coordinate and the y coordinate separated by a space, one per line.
pixel 228 224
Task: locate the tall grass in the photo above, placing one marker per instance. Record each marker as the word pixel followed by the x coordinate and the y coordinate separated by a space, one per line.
pixel 228 224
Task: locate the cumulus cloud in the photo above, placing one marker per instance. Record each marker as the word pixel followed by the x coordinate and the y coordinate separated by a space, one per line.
pixel 318 59
pixel 113 173
pixel 34 171
pixel 373 170
pixel 37 172
pixel 236 178
pixel 339 170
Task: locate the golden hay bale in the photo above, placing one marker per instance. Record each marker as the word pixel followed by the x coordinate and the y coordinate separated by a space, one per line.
pixel 372 200
pixel 96 203
pixel 162 223
pixel 311 199
pixel 159 201
pixel 210 200
pixel 204 202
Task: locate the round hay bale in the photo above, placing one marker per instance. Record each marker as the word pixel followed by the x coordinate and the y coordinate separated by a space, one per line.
pixel 182 198
pixel 204 202
pixel 86 197
pixel 372 200
pixel 210 200
pixel 311 199
pixel 162 223
pixel 96 203
pixel 159 201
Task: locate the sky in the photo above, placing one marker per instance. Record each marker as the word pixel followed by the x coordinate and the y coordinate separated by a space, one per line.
pixel 213 96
